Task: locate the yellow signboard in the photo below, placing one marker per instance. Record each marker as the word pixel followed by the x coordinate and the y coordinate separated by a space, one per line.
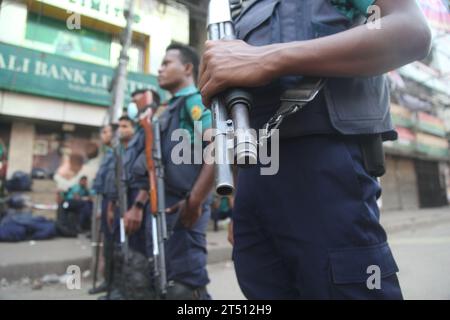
pixel 110 11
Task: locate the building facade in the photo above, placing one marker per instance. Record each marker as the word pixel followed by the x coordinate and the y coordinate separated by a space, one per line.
pixel 418 163
pixel 57 59
pixel 56 65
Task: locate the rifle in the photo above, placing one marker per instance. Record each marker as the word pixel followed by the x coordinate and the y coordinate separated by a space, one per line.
pixel 117 88
pixel 122 198
pixel 153 156
pixel 96 237
pixel 234 102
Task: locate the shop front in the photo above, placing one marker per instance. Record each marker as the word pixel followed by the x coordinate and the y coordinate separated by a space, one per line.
pixel 50 104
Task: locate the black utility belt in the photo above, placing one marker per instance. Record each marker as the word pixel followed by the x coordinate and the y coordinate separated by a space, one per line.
pixel 294 100
pixel 176 192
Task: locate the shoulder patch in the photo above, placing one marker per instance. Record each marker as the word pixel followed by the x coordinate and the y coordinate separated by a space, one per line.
pixel 196 112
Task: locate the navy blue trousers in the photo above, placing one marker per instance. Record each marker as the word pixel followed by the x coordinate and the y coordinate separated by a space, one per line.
pixel 110 234
pixel 186 252
pixel 83 208
pixel 140 240
pixel 312 231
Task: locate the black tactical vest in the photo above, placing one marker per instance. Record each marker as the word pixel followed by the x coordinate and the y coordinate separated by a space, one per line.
pixel 358 105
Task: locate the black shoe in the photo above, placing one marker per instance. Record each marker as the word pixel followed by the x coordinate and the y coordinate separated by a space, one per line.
pixel 114 295
pixel 101 288
pixel 179 291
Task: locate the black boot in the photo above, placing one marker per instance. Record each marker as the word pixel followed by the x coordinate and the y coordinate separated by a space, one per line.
pixel 137 282
pixel 114 272
pixel 180 291
pixel 103 287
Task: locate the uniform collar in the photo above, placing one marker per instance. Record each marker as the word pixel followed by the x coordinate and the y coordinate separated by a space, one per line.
pixel 108 149
pixel 186 91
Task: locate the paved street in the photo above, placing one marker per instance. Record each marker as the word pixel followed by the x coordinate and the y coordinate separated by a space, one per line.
pixel 423 256
pixel 102 99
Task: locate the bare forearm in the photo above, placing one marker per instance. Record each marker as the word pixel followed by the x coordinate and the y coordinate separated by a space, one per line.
pixel 111 206
pixel 403 37
pixel 142 196
pixel 203 184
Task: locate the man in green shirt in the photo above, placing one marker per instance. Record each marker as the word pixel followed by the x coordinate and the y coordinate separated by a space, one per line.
pixel 194 110
pixel 187 185
pixel 79 199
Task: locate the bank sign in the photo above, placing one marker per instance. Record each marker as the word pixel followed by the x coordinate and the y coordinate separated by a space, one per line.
pixel 110 11
pixel 38 73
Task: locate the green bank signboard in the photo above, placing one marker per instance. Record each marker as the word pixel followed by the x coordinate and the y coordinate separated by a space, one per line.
pixel 38 73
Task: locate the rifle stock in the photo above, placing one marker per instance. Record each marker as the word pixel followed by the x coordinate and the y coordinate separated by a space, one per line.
pixel 148 129
pixel 156 196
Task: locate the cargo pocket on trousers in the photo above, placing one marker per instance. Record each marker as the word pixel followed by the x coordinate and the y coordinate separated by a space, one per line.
pixel 364 273
pixel 184 257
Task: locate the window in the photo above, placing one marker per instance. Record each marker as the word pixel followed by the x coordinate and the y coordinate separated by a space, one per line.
pixel 136 55
pixel 51 35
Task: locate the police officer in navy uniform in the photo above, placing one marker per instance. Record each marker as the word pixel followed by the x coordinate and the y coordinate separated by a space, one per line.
pixel 187 185
pixel 110 220
pixel 135 221
pixel 312 230
pixel 99 186
pixel 132 272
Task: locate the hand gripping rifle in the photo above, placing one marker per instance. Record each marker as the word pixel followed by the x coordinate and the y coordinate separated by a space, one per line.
pixel 234 102
pixel 153 155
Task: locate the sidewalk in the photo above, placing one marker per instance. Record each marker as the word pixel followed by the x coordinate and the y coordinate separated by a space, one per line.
pixel 395 221
pixel 36 259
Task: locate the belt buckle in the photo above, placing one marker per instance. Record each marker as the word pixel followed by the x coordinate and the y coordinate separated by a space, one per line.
pixel 298 104
pixel 311 96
